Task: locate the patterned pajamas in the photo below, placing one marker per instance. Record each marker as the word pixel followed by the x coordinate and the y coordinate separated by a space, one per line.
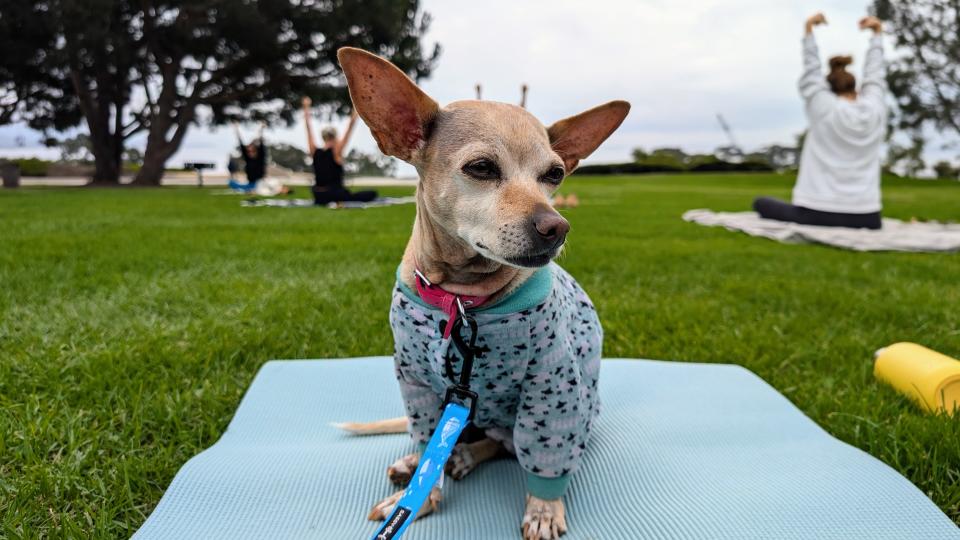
pixel 537 377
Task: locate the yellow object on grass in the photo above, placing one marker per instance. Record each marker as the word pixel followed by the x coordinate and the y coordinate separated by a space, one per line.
pixel 928 377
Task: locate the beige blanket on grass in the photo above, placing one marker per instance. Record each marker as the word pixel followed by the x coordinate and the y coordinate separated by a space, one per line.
pixel 895 235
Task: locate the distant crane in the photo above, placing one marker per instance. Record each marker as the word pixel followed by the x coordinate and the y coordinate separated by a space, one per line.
pixel 733 151
pixel 726 129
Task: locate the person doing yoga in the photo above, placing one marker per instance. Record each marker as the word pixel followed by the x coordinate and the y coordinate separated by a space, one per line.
pixel 254 157
pixel 838 184
pixel 328 163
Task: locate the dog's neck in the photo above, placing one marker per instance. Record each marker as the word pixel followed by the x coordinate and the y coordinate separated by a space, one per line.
pixel 451 263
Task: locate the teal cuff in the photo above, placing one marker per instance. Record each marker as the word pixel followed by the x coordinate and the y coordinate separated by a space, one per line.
pixel 547 489
pixel 530 294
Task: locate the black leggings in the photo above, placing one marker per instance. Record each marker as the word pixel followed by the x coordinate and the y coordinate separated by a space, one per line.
pixel 342 195
pixel 771 208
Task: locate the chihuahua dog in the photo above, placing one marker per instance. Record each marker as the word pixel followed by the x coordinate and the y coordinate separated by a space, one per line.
pixel 485 228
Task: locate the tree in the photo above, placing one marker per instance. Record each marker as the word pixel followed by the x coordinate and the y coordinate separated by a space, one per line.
pixel 357 163
pixel 289 157
pixel 925 80
pixel 675 154
pixel 946 171
pixel 778 157
pixel 24 85
pixel 908 159
pixel 801 139
pixel 133 156
pixel 661 157
pixel 160 66
pixel 699 160
pixel 729 153
pixel 76 148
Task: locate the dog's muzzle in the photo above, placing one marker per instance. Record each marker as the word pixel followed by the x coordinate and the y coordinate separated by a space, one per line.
pixel 546 233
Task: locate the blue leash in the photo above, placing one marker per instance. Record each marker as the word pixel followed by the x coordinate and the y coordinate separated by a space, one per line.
pixel 456 417
pixel 454 420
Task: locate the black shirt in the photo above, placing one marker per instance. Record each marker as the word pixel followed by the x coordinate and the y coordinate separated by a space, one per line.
pixel 326 171
pixel 255 167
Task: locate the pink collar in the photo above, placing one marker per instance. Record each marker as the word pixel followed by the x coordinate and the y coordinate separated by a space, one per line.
pixel 446 301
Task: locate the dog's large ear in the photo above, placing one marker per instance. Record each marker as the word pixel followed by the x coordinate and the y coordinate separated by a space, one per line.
pixel 397 112
pixel 577 137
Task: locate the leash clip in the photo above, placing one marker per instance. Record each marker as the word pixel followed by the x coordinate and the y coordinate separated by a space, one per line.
pixel 467 398
pixel 460 386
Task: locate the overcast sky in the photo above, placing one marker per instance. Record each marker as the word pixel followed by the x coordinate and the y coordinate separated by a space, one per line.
pixel 679 62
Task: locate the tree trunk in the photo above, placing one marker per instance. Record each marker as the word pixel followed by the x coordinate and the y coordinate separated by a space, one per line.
pixel 159 148
pixel 106 162
pixel 151 172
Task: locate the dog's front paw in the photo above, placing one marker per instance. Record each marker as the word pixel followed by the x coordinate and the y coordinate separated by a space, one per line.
pixel 467 456
pixel 384 508
pixel 543 520
pixel 461 462
pixel 402 469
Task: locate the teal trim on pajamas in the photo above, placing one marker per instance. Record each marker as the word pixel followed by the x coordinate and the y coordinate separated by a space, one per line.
pixel 547 489
pixel 538 486
pixel 528 294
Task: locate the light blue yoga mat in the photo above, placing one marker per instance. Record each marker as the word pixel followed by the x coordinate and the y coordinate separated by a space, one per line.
pixel 681 451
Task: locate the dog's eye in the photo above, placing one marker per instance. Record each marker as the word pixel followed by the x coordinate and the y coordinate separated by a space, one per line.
pixel 482 169
pixel 554 175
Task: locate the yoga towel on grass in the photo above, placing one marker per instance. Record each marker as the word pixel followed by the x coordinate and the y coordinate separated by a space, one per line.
pixel 308 203
pixel 680 451
pixel 895 235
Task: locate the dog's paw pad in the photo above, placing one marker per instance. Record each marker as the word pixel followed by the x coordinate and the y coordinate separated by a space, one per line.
pixel 401 471
pixel 543 520
pixel 461 462
pixel 384 508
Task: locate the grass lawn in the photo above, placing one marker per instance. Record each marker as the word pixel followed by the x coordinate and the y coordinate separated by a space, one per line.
pixel 132 320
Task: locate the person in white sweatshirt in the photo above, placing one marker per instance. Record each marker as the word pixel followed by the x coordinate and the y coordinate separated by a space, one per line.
pixel 839 179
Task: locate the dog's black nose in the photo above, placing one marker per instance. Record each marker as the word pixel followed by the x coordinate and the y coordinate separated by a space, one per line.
pixel 550 225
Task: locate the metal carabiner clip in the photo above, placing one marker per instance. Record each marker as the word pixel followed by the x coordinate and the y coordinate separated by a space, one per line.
pixel 419 275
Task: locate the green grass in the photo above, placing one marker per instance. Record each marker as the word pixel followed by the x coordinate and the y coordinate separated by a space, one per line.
pixel 132 320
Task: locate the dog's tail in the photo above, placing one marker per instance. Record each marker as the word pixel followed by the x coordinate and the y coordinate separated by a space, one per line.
pixel 380 427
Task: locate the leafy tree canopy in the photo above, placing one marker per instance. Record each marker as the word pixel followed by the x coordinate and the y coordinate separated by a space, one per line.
pixel 924 77
pixel 161 66
pixel 289 157
pixel 358 163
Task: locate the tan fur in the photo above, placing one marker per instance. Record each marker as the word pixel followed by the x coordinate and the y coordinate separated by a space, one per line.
pixel 401 471
pixel 380 427
pixel 467 456
pixel 397 119
pixel 577 137
pixel 476 235
pixel 543 520
pixel 384 508
pixel 463 460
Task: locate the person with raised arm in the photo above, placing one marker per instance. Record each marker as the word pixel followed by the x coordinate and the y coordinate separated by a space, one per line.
pixel 838 184
pixel 254 157
pixel 328 163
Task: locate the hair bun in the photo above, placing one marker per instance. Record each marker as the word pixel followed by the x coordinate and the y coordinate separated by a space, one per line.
pixel 840 63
